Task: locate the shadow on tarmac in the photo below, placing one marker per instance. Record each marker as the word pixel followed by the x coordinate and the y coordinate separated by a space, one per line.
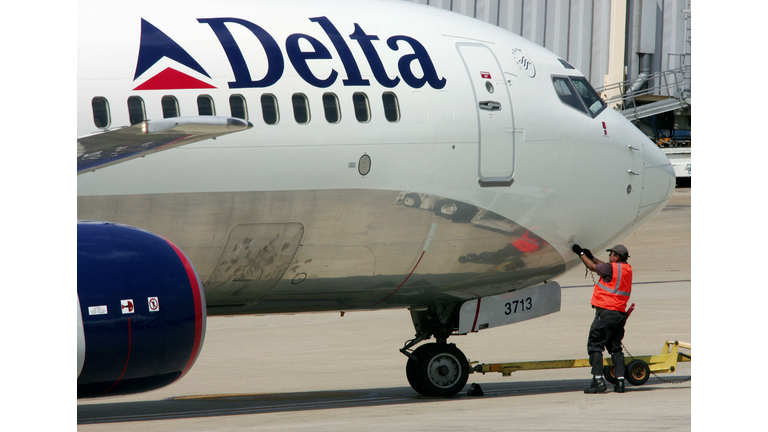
pixel 261 403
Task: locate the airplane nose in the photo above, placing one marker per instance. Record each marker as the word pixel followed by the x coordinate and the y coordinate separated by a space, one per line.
pixel 658 182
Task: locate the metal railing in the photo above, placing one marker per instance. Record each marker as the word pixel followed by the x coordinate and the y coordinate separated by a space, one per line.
pixel 673 86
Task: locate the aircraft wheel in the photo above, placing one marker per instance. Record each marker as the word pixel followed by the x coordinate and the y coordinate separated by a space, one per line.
pixel 411 371
pixel 441 370
pixel 637 372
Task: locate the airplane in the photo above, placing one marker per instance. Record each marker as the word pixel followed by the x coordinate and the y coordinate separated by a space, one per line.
pixel 257 157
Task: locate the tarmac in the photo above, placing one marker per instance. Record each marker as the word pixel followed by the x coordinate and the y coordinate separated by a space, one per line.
pixel 327 372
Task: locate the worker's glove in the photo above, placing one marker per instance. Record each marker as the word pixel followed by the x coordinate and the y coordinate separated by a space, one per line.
pixel 578 250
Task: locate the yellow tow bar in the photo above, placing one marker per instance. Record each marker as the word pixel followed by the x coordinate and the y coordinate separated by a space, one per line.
pixel 638 368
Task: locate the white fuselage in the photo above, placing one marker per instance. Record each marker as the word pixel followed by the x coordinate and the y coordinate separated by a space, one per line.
pixel 287 216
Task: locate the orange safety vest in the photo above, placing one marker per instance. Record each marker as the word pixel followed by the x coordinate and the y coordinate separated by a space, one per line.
pixel 614 295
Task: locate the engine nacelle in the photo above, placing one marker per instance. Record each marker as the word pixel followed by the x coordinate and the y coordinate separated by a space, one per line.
pixel 141 310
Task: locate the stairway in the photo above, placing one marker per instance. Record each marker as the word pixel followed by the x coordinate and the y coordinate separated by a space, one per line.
pixel 651 109
pixel 669 90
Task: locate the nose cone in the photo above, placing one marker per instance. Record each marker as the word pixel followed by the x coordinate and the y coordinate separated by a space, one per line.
pixel 658 182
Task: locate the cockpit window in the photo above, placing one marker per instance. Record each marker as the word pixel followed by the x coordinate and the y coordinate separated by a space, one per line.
pixel 566 64
pixel 577 93
pixel 590 97
pixel 567 94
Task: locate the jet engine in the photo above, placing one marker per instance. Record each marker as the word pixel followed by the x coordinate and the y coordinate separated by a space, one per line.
pixel 141 310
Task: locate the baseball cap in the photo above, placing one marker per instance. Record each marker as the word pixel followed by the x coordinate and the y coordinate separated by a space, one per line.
pixel 620 250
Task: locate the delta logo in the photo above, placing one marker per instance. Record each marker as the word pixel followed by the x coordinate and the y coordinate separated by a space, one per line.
pixel 415 67
pixel 154 46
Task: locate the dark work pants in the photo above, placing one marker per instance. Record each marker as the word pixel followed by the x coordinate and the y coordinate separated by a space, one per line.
pixel 607 331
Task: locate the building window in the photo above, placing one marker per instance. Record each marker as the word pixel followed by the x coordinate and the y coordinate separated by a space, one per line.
pixel 391 107
pixel 101 116
pixel 136 112
pixel 300 108
pixel 269 109
pixel 205 106
pixel 362 109
pixel 331 107
pixel 170 107
pixel 237 107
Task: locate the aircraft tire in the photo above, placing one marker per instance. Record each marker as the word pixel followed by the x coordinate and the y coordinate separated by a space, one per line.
pixel 441 370
pixel 412 372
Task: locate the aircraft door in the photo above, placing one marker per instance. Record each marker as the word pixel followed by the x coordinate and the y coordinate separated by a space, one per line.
pixel 496 158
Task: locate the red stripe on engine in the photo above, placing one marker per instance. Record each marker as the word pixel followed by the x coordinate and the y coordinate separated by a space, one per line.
pixel 196 289
pixel 126 359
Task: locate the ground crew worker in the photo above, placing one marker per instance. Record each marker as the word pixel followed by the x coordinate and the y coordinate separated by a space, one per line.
pixel 609 299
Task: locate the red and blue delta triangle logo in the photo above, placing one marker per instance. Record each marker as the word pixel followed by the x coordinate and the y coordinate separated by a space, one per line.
pixel 155 45
pixel 171 79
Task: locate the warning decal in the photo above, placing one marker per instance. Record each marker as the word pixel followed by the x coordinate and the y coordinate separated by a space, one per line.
pixel 154 304
pixel 127 306
pixel 97 310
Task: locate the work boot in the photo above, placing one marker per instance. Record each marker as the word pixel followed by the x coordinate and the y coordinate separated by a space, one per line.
pixel 619 386
pixel 597 386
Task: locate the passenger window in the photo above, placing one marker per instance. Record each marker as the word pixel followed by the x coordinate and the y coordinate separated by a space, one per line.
pixel 237 107
pixel 269 109
pixel 588 94
pixel 136 112
pixel 391 107
pixel 100 112
pixel 300 108
pixel 170 106
pixel 362 109
pixel 205 106
pixel 567 94
pixel 331 107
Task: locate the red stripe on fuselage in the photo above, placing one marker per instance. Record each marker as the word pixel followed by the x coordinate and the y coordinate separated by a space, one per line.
pixel 406 279
pixel 477 314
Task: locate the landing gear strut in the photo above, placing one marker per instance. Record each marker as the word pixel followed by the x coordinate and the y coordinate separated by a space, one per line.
pixel 436 369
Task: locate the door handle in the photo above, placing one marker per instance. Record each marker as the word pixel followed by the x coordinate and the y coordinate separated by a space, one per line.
pixel 490 106
pixel 632 172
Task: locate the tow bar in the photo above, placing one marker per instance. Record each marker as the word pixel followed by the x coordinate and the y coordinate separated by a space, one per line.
pixel 638 370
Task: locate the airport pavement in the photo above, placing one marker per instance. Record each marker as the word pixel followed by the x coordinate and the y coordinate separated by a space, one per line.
pixel 324 372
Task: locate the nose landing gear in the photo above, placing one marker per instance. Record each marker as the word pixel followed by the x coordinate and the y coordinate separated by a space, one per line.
pixel 437 369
